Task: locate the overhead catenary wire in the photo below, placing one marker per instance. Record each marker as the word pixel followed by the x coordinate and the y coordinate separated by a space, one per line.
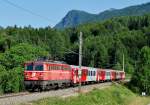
pixel 35 14
pixel 26 10
pixel 70 51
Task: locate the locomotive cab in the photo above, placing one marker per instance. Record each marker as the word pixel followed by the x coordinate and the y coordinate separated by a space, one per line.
pixel 33 71
pixel 33 74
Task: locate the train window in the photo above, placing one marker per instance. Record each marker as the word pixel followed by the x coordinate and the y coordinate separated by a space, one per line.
pixel 94 73
pixel 56 67
pixel 62 68
pixel 91 73
pixel 38 67
pixel 107 73
pixel 65 68
pixel 59 67
pixel 29 67
pixel 52 67
pixel 88 73
pixel 49 67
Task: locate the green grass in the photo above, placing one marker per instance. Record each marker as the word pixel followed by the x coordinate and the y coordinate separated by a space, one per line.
pixel 113 95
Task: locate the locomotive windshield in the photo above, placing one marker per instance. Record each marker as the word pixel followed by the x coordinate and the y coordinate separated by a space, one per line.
pixel 38 67
pixel 31 67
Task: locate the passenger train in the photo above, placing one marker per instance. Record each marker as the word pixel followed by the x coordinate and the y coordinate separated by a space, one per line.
pixel 46 75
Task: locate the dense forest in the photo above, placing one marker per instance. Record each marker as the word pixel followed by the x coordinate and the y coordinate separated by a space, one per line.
pixel 104 44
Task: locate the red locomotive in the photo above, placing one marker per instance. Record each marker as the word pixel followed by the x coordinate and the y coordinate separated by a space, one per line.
pixel 52 74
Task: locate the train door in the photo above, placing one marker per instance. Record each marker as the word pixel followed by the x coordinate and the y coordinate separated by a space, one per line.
pixel 123 75
pixel 102 75
pixel 92 74
pixel 117 75
pixel 108 75
pixel 98 75
pixel 112 75
pixel 75 75
pixel 84 74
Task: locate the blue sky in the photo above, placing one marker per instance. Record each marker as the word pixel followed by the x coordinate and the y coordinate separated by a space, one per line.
pixel 54 10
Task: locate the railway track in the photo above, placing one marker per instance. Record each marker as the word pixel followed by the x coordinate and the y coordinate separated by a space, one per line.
pixel 28 93
pixel 25 97
pixel 14 94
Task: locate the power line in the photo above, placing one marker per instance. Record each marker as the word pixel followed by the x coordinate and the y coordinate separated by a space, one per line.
pixel 70 51
pixel 26 10
pixel 35 14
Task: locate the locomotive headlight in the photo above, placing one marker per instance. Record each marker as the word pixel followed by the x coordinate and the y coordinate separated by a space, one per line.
pixel 26 75
pixel 41 76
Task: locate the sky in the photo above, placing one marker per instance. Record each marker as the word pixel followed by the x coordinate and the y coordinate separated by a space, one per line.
pixel 42 13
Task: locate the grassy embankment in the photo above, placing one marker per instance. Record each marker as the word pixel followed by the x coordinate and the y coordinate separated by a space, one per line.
pixel 113 95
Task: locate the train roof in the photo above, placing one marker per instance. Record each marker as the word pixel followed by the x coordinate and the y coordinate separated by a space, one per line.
pixel 84 67
pixel 46 61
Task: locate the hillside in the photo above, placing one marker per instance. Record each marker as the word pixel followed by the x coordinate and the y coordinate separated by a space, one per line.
pixel 114 95
pixel 104 43
pixel 76 17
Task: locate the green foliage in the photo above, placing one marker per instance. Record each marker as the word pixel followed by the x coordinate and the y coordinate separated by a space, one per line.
pixel 3 78
pixel 141 77
pixel 11 73
pixel 129 68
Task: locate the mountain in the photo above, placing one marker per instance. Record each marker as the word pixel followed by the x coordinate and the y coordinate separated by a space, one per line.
pixel 76 17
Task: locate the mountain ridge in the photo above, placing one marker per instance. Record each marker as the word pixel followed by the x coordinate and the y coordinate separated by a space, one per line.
pixel 76 17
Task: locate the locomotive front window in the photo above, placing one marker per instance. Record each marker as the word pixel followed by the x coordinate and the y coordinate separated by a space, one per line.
pixel 29 67
pixel 38 67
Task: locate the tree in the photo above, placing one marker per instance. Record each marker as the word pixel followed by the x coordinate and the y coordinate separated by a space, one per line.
pixel 141 76
pixel 11 67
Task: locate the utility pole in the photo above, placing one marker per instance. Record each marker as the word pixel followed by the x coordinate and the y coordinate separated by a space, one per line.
pixel 123 62
pixel 80 61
